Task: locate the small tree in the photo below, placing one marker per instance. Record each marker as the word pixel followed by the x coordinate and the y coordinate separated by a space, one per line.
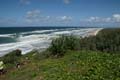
pixel 58 47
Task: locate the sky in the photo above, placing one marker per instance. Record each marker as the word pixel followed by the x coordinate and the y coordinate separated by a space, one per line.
pixel 98 13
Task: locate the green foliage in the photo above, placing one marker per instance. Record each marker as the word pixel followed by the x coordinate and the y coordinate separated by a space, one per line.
pixel 60 45
pixel 12 57
pixel 107 40
pixel 57 46
pixel 83 65
pixel 74 65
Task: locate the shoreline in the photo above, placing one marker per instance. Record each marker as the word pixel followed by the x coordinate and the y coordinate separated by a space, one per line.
pixel 96 32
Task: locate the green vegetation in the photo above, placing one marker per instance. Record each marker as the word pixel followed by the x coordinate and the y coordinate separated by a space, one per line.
pixel 12 58
pixel 60 45
pixel 74 65
pixel 108 40
pixel 69 58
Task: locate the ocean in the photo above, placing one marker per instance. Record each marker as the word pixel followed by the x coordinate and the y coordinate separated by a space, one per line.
pixel 28 38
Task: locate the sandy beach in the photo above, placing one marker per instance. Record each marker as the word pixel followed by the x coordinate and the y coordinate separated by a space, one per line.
pixel 94 32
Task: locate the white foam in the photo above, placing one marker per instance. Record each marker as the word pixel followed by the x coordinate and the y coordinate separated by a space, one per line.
pixel 38 31
pixel 61 32
pixel 8 35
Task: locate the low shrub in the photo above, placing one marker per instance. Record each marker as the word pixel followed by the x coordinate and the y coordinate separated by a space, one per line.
pixel 12 57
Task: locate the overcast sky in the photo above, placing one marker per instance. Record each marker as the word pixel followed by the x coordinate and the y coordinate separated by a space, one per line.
pixel 60 13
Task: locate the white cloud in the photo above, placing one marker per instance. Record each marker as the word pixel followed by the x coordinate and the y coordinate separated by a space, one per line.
pixel 92 19
pixel 66 1
pixel 64 18
pixel 35 16
pixel 99 19
pixel 115 18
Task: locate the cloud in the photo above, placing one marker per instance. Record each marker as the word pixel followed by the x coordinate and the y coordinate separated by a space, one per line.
pixel 64 18
pixel 66 1
pixel 98 19
pixel 35 16
pixel 26 2
pixel 115 18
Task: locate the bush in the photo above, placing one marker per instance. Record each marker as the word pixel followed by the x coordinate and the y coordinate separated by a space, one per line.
pixel 57 46
pixel 72 42
pixel 12 57
pixel 60 45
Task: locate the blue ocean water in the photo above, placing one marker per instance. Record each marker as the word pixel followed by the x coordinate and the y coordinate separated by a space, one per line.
pixel 29 38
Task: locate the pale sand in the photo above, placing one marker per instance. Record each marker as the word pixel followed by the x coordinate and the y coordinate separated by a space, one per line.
pixel 95 32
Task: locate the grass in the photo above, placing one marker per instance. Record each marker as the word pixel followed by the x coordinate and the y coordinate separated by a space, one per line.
pixel 74 65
